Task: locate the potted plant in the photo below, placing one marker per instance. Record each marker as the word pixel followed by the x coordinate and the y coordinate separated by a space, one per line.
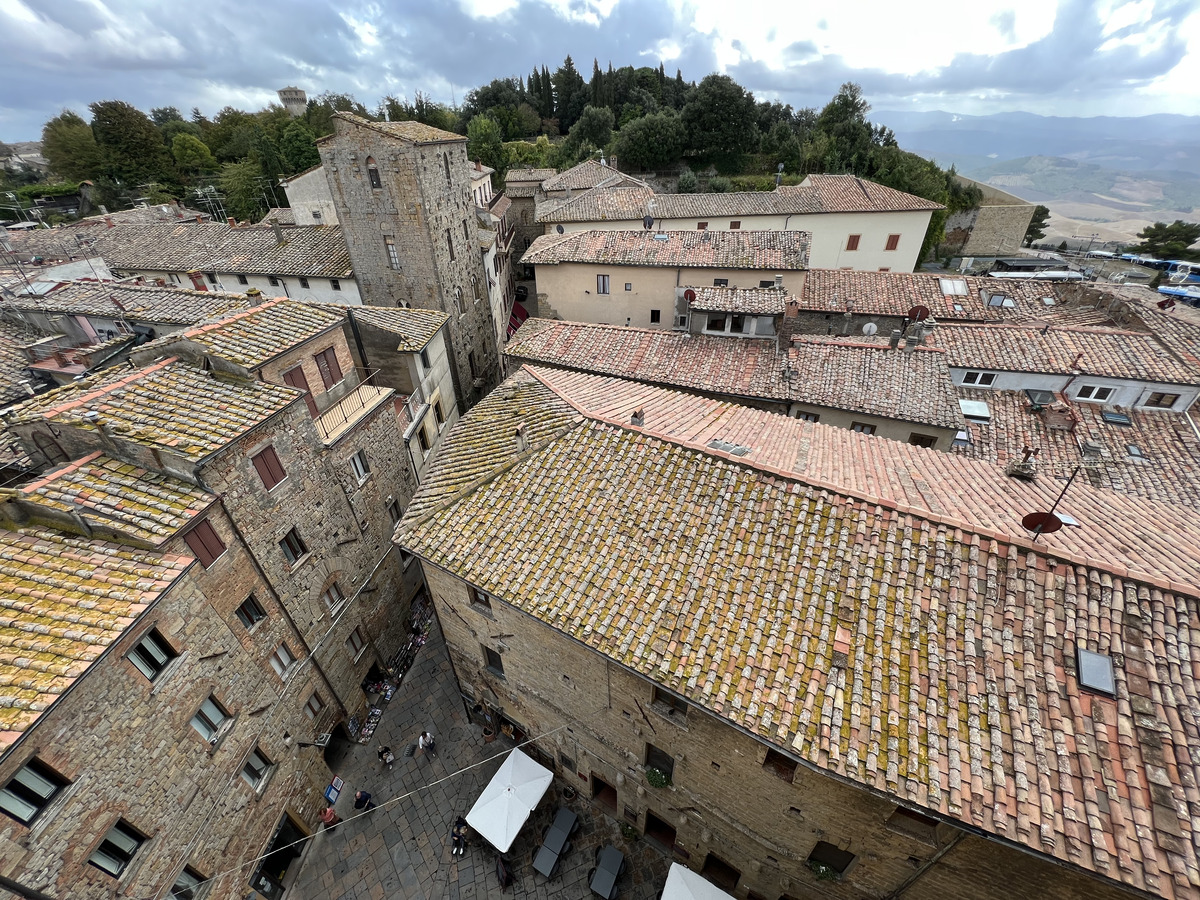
pixel 657 777
pixel 822 871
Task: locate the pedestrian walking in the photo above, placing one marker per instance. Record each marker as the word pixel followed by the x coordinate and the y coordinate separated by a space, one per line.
pixel 425 743
pixel 458 837
pixel 362 800
pixel 386 756
pixel 329 817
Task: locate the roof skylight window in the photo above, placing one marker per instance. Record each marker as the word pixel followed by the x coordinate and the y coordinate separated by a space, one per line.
pixel 1115 418
pixel 1096 672
pixel 953 287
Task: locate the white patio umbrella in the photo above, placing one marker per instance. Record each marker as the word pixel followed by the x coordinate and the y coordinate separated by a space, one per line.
pixel 684 884
pixel 508 799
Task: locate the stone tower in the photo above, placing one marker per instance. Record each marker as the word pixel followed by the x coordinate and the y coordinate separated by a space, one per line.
pixel 403 196
pixel 294 100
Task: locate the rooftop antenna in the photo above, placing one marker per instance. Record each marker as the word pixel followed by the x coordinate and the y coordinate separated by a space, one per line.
pixel 1040 523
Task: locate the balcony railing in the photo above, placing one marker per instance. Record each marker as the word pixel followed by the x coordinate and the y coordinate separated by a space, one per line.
pixel 352 406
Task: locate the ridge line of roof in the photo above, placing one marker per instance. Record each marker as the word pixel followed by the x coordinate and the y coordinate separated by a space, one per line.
pixel 108 388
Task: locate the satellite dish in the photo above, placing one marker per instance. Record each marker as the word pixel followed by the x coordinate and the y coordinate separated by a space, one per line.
pixel 918 313
pixel 1041 523
pixel 560 229
pixel 323 739
pixel 648 222
pixel 870 328
pixel 689 295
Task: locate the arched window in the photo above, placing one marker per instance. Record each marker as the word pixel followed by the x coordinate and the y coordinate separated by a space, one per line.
pixel 373 173
pixel 446 163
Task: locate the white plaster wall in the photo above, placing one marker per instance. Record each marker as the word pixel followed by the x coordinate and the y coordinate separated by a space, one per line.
pixel 1126 392
pixel 319 289
pixel 308 193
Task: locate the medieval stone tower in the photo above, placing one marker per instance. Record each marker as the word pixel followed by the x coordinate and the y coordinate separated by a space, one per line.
pixel 403 197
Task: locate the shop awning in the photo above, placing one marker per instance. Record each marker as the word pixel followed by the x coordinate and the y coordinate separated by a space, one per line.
pixel 684 884
pixel 508 799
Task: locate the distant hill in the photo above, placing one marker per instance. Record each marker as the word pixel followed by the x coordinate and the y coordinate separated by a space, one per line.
pixel 1106 175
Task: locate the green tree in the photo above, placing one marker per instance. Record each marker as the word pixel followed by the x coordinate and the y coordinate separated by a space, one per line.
pixel 192 154
pixel 651 141
pixel 719 185
pixel 133 150
pixel 594 127
pixel 721 121
pixel 852 139
pixel 570 93
pixel 485 143
pixel 1169 241
pixel 241 183
pixel 161 115
pixel 70 148
pixel 298 148
pixel 688 182
pixel 1037 225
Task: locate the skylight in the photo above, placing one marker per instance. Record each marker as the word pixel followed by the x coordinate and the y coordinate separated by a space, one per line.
pixel 727 447
pixel 975 410
pixel 1096 672
pixel 1115 418
pixel 1039 397
pixel 953 287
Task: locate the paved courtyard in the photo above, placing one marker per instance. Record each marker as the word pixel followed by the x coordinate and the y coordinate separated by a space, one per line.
pixel 402 848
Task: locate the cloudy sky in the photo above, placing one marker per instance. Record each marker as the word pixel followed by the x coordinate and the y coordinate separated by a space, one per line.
pixel 1060 57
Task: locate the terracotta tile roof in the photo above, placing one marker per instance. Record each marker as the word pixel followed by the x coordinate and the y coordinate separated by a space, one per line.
pixel 621 204
pixel 133 501
pixel 588 174
pixel 1166 471
pixel 518 190
pixel 286 216
pixel 169 405
pixel 13 365
pixel 846 193
pixel 1062 351
pixel 808 593
pixel 750 301
pixel 773 250
pixel 256 336
pixel 537 175
pixel 414 327
pixel 842 375
pixel 63 600
pixel 135 302
pixel 142 215
pixel 412 132
pixel 895 293
pixel 313 251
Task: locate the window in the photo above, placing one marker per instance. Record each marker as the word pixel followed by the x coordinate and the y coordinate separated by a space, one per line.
pixel 316 214
pixel 438 414
pixel 256 769
pixel 893 241
pixel 450 244
pixel 661 760
pixel 915 825
pixel 716 322
pixel 208 719
pixel 356 643
pixel 212 277
pixel 827 857
pixel 629 285
pixel 669 704
pixel 151 654
pixel 862 427
pixel 1116 418
pixel 189 885
pixel 852 241
pixel 373 173
pixel 1002 300
pixel 655 316
pixel 979 379
pixel 1135 451
pixel 30 791
pixel 395 513
pixel 480 599
pixel 358 462
pixel 304 282
pixel 494 663
pixel 293 546
pixel 333 597
pixel 313 707
pixel 806 416
pixel 1096 672
pixel 702 226
pixel 294 377
pixel 204 542
pixel 922 440
pixel 1162 401
pixel 329 367
pixel 446 162
pixel 272 281
pixel 425 359
pixel 1094 393
pixel 720 282
pixel 392 253
pixel 737 324
pixel 885 268
pixel 282 660
pixel 267 465
pixel 242 279
pixel 117 849
pixel 1039 397
pixel 780 765
pixel 681 321
pixel 423 439
pixel 406 558
pixel 601 284
pixel 735 225
pixel 250 612
pixel 335 284
pixel 467 238
pixel 953 287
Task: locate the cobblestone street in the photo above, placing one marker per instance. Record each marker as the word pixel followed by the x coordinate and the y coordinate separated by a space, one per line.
pixel 402 848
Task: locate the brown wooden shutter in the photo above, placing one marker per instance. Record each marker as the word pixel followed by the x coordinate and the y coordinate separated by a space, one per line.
pixel 295 378
pixel 205 543
pixel 268 467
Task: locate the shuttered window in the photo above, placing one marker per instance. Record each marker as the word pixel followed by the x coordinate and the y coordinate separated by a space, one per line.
pixel 327 365
pixel 893 242
pixel 269 469
pixel 295 378
pixel 204 542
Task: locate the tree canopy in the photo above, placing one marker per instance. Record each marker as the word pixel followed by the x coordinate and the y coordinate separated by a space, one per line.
pixel 1170 241
pixel 1037 225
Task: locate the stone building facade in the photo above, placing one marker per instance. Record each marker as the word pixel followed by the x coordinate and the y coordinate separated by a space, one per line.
pixel 403 194
pixel 994 228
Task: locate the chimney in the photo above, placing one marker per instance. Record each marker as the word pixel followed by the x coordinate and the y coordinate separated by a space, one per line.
pixel 254 295
pixel 278 232
pixel 779 282
pixel 478 166
pixel 639 417
pixel 894 340
pixel 522 440
pixel 178 211
pixel 109 222
pixel 199 220
pixel 232 221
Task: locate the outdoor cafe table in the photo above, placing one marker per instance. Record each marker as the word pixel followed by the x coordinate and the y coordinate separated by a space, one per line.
pixel 545 861
pixel 560 830
pixel 608 867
